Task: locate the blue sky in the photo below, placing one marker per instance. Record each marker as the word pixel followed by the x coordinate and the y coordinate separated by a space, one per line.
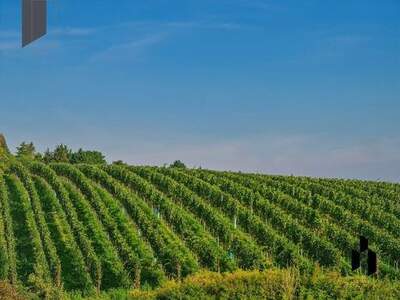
pixel 288 87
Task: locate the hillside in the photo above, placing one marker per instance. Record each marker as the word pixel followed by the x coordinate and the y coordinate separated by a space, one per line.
pixel 87 228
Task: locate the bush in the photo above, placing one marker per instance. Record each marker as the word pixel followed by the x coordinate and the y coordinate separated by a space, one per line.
pixel 63 154
pixel 178 164
pixel 26 150
pixel 274 284
pixel 88 157
pixel 331 285
pixel 270 284
pixel 9 292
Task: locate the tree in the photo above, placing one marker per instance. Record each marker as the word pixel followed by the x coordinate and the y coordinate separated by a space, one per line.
pixel 178 164
pixel 26 150
pixel 3 144
pixel 47 156
pixel 88 157
pixel 38 156
pixel 119 163
pixel 62 154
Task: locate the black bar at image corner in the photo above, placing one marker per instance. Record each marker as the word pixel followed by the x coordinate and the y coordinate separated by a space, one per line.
pixel 34 20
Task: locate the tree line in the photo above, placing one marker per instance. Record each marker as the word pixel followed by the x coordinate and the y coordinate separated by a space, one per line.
pixel 61 153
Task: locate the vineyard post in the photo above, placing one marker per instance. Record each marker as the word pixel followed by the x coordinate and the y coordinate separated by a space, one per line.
pixel 179 271
pixel 98 280
pixel 137 277
pixel 58 276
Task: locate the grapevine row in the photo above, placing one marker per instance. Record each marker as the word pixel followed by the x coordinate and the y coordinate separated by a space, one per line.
pixel 127 227
pixel 145 269
pixel 175 257
pixel 364 209
pixel 388 246
pixel 317 248
pixel 138 258
pixel 246 251
pixel 300 208
pixel 79 271
pixel 48 245
pixel 112 266
pixel 7 260
pixel 211 255
pixel 283 251
pixel 31 260
pixel 356 190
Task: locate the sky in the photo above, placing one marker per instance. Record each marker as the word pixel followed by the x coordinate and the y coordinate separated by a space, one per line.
pixel 280 87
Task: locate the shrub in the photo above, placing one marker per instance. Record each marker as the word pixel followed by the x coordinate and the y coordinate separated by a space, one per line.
pixel 9 292
pixel 178 164
pixel 270 284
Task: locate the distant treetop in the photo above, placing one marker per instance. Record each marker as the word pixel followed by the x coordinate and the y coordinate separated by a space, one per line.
pixel 61 153
pixel 26 150
pixel 88 157
pixel 178 164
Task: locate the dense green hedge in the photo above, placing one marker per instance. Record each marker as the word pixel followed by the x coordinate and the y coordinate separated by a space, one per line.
pixel 270 284
pixel 274 284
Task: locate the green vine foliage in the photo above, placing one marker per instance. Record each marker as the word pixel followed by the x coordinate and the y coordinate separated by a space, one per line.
pixel 96 229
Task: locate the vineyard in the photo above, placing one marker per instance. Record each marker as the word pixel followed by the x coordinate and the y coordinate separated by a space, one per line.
pixel 93 228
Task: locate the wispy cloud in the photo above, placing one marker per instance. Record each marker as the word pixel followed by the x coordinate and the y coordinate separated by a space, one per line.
pixel 204 25
pixel 153 33
pixel 155 25
pixel 128 50
pixel 73 31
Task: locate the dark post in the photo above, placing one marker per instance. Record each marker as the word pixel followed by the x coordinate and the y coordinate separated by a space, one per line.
pixel 355 260
pixel 356 257
pixel 372 262
pixel 363 244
